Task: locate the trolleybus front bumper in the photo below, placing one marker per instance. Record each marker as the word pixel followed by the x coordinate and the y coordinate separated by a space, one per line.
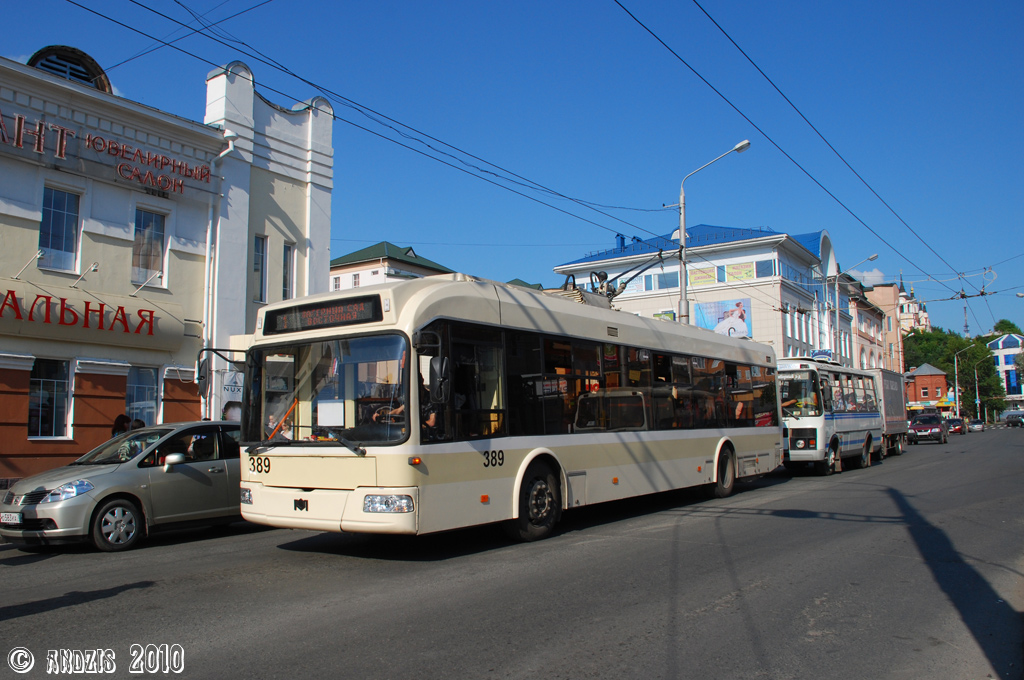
pixel 363 510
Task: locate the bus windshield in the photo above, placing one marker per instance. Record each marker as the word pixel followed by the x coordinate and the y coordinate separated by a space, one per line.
pixel 799 394
pixel 337 390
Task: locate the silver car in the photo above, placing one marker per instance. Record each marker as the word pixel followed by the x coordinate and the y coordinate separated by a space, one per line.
pixel 146 479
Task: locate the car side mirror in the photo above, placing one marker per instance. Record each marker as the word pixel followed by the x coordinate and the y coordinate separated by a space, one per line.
pixel 173 459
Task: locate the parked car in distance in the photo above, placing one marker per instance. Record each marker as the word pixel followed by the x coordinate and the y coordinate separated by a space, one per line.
pixel 929 427
pixel 957 426
pixel 151 478
pixel 1013 419
pixel 976 425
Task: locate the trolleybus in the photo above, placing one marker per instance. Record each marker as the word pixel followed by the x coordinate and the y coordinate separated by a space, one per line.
pixel 832 414
pixel 450 401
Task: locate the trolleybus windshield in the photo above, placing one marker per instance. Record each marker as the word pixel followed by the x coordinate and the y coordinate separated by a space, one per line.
pixel 337 390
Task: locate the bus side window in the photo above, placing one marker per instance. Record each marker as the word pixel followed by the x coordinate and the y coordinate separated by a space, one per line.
pixel 826 394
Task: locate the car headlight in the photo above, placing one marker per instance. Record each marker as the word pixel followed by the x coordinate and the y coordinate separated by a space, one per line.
pixel 389 503
pixel 69 490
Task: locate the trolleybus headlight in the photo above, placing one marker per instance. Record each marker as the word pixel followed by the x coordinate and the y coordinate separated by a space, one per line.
pixel 246 496
pixel 388 503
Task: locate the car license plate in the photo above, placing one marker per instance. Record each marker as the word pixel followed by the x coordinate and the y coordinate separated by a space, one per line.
pixel 10 518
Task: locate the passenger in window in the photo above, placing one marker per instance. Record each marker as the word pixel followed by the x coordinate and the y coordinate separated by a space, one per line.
pixel 138 423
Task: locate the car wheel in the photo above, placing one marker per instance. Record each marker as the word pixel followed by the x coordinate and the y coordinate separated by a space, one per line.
pixel 117 525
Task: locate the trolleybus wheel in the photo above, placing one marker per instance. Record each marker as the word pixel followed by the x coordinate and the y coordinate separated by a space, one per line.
pixel 540 505
pixel 726 476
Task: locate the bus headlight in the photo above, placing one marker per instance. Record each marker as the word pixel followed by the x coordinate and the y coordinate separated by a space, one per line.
pixel 246 496
pixel 387 503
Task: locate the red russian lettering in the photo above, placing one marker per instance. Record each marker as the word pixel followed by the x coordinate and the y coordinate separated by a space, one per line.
pixel 95 143
pixel 113 148
pixel 98 312
pixel 62 139
pixel 124 170
pixel 164 182
pixel 179 186
pixel 138 157
pixel 120 316
pixel 65 311
pixel 11 300
pixel 46 309
pixel 126 151
pixel 143 321
pixel 149 179
pixel 204 174
pixel 20 131
pixel 3 130
pixel 164 162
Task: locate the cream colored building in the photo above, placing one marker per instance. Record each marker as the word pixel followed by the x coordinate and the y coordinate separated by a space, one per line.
pixel 131 239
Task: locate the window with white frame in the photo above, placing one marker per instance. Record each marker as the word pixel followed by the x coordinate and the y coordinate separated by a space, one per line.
pixel 259 269
pixel 924 392
pixel 58 230
pixel 148 249
pixel 140 397
pixel 49 396
pixel 335 283
pixel 355 280
pixel 287 272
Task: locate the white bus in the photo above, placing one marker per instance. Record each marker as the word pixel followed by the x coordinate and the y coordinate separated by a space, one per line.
pixel 832 414
pixel 450 401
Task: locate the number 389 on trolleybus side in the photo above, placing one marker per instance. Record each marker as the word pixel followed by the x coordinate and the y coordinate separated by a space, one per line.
pixel 451 401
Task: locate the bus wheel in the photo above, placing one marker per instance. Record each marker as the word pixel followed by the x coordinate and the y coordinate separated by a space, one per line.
pixel 827 466
pixel 864 460
pixel 726 476
pixel 540 505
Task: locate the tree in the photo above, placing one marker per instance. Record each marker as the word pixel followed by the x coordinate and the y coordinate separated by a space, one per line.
pixel 1004 326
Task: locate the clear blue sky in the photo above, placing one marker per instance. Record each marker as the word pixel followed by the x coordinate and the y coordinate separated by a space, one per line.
pixel 925 100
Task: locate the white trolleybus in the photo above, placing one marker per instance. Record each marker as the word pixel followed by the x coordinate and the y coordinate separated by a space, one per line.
pixel 831 412
pixel 450 401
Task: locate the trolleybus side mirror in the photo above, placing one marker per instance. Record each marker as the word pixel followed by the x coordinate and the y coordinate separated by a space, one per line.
pixel 440 379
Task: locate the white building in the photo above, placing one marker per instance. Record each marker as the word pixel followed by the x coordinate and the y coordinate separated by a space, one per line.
pixel 774 287
pixel 125 252
pixel 1004 350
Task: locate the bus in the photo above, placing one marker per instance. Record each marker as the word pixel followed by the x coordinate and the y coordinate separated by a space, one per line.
pixel 832 415
pixel 450 401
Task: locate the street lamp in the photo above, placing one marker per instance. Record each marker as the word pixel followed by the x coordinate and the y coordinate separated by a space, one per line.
pixel 956 377
pixel 977 394
pixel 684 304
pixel 872 258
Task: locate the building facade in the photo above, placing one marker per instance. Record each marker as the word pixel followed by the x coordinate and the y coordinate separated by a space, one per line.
pixel 773 287
pixel 886 297
pixel 113 214
pixel 1004 350
pixel 927 387
pixel 380 263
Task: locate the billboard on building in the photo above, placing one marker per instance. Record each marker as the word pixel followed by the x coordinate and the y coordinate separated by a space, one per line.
pixel 725 317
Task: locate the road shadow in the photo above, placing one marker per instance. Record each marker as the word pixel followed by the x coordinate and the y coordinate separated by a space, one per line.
pixel 71 599
pixel 990 619
pixel 481 539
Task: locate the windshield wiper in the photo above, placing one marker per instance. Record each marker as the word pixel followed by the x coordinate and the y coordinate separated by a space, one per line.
pixel 276 443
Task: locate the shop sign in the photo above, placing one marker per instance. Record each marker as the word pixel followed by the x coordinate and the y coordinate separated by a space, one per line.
pixel 154 170
pixel 31 311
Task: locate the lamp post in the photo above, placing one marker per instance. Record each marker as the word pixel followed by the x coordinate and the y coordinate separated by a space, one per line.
pixel 977 394
pixel 684 304
pixel 872 258
pixel 956 378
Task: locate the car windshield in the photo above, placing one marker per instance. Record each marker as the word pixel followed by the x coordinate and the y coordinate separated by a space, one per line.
pixel 339 390
pixel 799 390
pixel 124 447
pixel 926 420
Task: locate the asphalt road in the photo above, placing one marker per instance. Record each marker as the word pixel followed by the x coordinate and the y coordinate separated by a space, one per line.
pixel 913 568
